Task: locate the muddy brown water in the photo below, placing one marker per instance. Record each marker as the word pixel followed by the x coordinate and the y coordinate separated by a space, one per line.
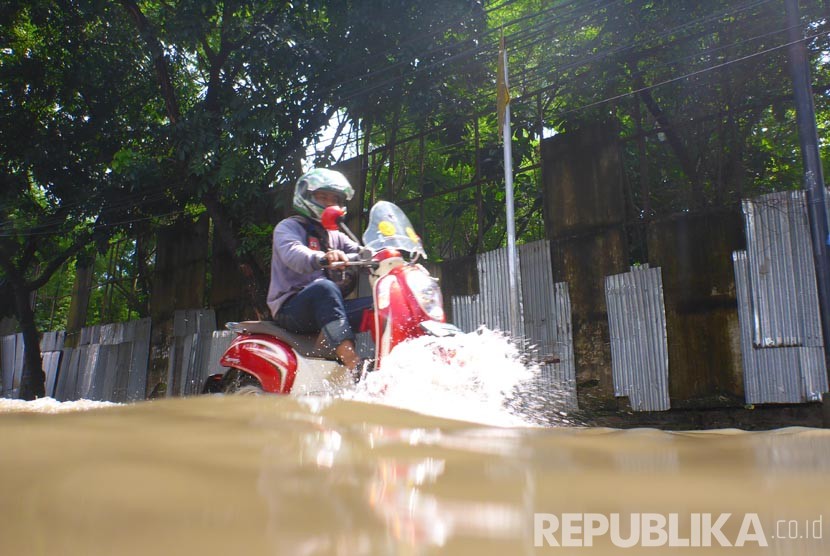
pixel 279 475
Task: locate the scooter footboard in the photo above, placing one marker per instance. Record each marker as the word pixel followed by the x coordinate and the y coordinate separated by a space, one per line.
pixel 268 359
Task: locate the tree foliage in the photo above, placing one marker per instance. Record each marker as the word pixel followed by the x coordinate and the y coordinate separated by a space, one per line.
pixel 116 114
pixel 704 87
pixel 120 116
pixel 69 102
pixel 247 85
pixel 700 94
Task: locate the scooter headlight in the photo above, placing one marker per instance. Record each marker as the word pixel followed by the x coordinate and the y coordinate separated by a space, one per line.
pixel 427 292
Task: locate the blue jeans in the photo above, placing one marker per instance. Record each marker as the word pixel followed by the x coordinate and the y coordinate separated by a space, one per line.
pixel 320 306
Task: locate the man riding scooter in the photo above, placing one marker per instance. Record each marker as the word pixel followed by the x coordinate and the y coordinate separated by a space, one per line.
pixel 269 356
pixel 302 296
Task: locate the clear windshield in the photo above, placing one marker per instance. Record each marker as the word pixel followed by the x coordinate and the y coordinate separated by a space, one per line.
pixel 389 227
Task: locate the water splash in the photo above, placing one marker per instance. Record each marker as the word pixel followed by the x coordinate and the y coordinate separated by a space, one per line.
pixel 49 405
pixel 480 377
pixel 470 377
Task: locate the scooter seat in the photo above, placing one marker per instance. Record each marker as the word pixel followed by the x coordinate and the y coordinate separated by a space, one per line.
pixel 304 344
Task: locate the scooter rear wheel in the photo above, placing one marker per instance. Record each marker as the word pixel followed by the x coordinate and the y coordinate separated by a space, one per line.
pixel 237 381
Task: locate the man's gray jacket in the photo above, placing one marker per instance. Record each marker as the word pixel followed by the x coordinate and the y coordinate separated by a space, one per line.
pixel 294 264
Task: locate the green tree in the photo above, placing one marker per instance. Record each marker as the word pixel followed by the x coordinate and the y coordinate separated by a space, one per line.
pixel 69 103
pixel 120 113
pixel 702 89
pixel 247 86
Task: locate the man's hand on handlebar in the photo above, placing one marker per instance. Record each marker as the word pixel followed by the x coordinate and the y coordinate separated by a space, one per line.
pixel 335 258
pixel 338 259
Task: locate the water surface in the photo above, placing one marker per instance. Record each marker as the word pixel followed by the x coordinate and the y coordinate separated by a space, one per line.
pixel 355 473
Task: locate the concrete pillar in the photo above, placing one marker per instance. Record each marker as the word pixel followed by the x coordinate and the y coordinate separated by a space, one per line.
pixel 178 283
pixel 584 210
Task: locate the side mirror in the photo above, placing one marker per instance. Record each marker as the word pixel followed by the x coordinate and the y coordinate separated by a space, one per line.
pixel 332 216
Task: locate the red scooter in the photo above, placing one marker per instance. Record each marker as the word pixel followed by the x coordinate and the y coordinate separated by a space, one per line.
pixel 407 304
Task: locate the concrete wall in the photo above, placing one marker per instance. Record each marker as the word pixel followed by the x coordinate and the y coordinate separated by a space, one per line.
pixel 585 214
pixel 181 262
pixel 584 211
pixel 694 252
pixel 179 282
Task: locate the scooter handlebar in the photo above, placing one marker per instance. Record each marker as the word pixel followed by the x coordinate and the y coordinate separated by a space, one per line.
pixel 354 259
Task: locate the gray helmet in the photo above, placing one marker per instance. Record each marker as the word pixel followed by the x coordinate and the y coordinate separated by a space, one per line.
pixel 319 179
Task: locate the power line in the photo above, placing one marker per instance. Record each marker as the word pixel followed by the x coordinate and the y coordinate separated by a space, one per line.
pixel 686 76
pixel 99 226
pixel 483 48
pixel 680 77
pixel 652 38
pixel 487 48
pixel 480 49
pixel 730 11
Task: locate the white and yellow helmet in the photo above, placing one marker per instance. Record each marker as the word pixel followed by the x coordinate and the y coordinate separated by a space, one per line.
pixel 319 179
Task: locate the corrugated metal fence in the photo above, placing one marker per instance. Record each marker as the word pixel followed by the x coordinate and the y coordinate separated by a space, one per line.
pixel 774 374
pixel 491 306
pixel 11 362
pixel 781 341
pixel 782 277
pixel 190 351
pixel 111 360
pixel 109 364
pixel 639 346
pixel 546 313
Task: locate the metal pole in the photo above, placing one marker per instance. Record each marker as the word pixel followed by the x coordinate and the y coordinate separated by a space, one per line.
pixel 813 178
pixel 512 267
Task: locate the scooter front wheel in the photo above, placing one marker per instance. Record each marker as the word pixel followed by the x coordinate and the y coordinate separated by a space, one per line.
pixel 237 381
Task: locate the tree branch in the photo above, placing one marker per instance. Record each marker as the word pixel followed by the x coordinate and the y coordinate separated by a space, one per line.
pixel 8 265
pixel 328 150
pixel 297 141
pixel 52 266
pixel 211 56
pixel 159 59
pixel 28 252
pixel 686 163
pixel 132 299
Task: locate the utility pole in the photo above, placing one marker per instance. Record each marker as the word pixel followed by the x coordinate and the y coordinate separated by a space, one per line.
pixel 813 178
pixel 514 295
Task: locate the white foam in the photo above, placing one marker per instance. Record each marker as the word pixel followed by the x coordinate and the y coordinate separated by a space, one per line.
pixel 470 377
pixel 49 405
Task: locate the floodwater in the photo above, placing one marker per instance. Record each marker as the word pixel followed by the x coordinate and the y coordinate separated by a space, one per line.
pixel 423 458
